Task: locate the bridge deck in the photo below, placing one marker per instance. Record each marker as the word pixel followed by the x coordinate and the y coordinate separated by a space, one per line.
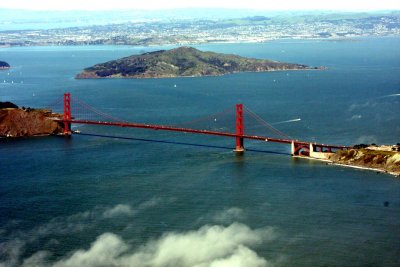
pixel 207 132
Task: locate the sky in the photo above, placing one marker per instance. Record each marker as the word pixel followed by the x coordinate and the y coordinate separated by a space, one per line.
pixel 342 5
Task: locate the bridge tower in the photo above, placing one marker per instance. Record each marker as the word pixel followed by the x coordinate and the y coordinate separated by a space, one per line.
pixel 239 128
pixel 67 114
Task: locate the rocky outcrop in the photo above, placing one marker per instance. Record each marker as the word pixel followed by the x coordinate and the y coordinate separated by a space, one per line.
pixel 4 65
pixel 384 160
pixel 16 122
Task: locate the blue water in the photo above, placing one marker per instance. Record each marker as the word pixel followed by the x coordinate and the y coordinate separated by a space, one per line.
pixel 95 201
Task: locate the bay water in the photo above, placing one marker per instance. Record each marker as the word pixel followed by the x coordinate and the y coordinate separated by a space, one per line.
pixel 96 201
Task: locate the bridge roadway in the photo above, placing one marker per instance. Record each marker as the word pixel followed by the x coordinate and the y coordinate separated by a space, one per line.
pixel 206 132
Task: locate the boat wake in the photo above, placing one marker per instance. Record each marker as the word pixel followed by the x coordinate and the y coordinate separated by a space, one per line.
pixel 280 122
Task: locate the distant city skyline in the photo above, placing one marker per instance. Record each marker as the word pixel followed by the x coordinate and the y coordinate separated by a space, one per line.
pixel 340 5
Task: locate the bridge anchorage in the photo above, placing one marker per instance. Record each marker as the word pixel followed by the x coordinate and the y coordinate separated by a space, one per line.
pixel 298 148
pixel 314 150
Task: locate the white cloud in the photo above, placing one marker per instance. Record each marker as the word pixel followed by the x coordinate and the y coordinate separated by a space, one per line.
pixel 242 257
pixel 355 117
pixel 225 217
pixel 209 246
pixel 154 202
pixel 81 221
pixel 103 252
pixel 38 259
pixel 229 215
pixel 119 210
pixel 202 246
pixel 126 210
pixel 10 251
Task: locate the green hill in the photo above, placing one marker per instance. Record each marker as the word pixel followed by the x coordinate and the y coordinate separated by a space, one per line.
pixel 182 62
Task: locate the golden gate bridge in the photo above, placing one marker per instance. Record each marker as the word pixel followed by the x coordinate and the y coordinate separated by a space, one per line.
pixel 298 148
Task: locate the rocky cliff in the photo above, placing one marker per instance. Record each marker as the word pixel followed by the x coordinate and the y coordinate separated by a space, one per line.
pixel 375 158
pixel 15 122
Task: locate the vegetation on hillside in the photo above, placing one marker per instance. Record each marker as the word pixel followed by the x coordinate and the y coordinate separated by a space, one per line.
pixel 388 161
pixel 182 61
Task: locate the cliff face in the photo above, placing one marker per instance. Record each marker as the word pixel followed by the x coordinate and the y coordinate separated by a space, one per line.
pixel 23 123
pixel 182 62
pixel 388 161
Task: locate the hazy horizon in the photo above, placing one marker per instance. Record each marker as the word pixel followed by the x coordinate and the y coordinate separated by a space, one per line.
pixel 289 5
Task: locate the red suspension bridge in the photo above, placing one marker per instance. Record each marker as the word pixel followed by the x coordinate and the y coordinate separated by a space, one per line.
pixel 298 148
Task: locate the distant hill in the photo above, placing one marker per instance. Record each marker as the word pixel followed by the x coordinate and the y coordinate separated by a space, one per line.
pixel 7 104
pixel 182 62
pixel 4 65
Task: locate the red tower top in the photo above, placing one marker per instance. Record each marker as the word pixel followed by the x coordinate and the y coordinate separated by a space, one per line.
pixel 67 113
pixel 239 128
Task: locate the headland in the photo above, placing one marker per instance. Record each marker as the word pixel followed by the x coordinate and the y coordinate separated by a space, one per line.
pixel 4 65
pixel 27 122
pixel 383 158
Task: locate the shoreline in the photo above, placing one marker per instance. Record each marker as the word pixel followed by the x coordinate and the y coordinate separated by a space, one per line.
pixel 330 162
pixel 322 68
pixel 366 168
pixel 196 43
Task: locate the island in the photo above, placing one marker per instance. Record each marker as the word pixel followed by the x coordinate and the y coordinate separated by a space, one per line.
pixel 18 122
pixel 183 62
pixel 4 65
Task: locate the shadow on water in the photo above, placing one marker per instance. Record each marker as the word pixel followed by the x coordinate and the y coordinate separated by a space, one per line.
pixel 67 141
pixel 240 156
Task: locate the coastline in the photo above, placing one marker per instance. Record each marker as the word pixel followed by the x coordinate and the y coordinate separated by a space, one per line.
pixel 321 68
pixel 366 168
pixel 359 38
pixel 20 123
pixel 331 162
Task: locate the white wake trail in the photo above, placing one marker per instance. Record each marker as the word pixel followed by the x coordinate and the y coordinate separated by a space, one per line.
pixel 280 122
pixel 392 95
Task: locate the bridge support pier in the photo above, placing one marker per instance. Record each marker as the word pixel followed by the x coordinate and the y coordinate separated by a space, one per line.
pixel 292 148
pixel 67 114
pixel 299 149
pixel 239 129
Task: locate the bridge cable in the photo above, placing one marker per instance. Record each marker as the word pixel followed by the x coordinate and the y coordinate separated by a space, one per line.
pixel 205 118
pixel 266 124
pixel 96 111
